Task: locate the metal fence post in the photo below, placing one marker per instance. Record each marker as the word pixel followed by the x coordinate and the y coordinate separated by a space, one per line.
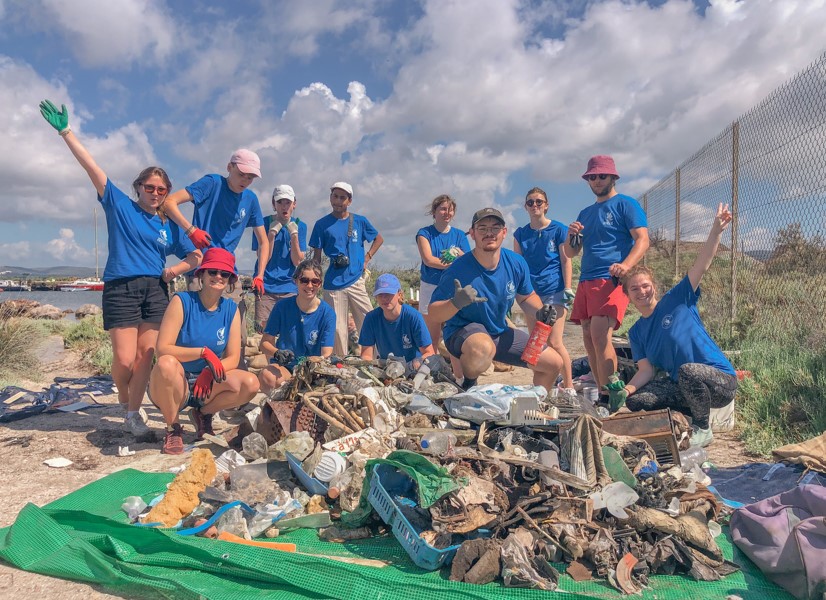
pixel 735 176
pixel 645 210
pixel 677 226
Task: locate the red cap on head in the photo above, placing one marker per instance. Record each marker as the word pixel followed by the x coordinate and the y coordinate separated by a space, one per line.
pixel 601 164
pixel 221 259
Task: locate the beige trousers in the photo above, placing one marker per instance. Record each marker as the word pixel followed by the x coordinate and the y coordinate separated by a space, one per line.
pixel 352 299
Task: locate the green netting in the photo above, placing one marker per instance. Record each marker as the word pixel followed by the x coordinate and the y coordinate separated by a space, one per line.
pixel 84 536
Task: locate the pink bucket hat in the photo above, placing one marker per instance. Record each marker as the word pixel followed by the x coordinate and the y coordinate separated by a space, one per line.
pixel 601 164
pixel 247 161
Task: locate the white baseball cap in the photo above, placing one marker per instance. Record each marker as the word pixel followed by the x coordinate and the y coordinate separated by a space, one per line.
pixel 343 185
pixel 283 190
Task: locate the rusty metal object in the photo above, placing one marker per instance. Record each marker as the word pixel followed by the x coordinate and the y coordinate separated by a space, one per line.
pixel 655 427
pixel 280 417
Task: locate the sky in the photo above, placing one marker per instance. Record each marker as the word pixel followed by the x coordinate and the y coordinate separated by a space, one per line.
pixel 404 99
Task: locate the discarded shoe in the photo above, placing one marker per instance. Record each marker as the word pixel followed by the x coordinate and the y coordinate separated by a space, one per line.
pixel 202 422
pixel 173 443
pixel 701 437
pixel 137 427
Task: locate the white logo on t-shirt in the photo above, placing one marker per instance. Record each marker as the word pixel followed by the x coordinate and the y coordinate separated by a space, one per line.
pixel 406 341
pixel 221 333
pixel 607 219
pixel 313 337
pixel 667 321
pixel 163 240
pixel 240 218
pixel 510 288
pixel 551 246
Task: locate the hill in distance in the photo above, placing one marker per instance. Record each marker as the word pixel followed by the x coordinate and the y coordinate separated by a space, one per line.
pixel 12 272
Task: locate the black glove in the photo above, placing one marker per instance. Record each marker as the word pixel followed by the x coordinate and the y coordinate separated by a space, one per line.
pixel 283 357
pixel 575 241
pixel 546 314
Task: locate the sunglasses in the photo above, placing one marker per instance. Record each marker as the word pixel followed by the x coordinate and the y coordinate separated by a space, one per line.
pixel 309 280
pixel 533 202
pixel 594 177
pixel 151 189
pixel 216 272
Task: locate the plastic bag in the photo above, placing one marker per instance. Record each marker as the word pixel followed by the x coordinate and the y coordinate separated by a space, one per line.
pixel 490 402
pixel 297 443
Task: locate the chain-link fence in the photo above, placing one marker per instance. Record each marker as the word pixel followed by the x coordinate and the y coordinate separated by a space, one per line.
pixel 770 167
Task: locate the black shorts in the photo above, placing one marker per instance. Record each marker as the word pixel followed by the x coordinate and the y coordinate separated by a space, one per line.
pixel 131 301
pixel 509 346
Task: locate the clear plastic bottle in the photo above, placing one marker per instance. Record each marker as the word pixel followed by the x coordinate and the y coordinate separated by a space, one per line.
pixel 421 375
pixel 438 443
pixel 695 455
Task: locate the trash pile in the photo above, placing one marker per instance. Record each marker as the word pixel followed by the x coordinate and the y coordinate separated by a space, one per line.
pixel 498 482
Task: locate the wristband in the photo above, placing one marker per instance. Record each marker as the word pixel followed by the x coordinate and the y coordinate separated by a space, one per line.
pixel 203 351
pixel 64 132
pixel 189 229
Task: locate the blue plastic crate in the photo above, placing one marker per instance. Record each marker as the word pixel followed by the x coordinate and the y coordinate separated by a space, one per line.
pixel 390 487
pixel 310 483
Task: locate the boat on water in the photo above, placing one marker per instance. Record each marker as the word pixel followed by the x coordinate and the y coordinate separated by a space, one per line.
pixel 83 285
pixel 7 285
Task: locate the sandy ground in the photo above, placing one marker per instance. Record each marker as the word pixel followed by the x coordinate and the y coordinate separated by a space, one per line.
pixel 90 440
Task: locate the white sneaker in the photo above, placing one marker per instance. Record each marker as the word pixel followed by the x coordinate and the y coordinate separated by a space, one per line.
pixel 701 437
pixel 136 426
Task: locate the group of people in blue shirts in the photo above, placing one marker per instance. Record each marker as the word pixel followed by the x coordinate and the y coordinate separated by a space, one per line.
pixel 465 298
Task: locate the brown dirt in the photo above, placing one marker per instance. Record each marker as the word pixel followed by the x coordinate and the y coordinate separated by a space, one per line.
pixel 90 439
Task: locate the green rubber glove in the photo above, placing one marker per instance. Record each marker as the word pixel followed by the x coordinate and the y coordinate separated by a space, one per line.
pixel 617 394
pixel 59 119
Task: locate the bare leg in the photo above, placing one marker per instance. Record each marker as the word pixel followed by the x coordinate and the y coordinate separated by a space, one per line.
pixel 555 341
pixel 272 377
pixel 547 368
pixel 147 336
pixel 124 349
pixel 589 348
pixel 239 388
pixel 167 387
pixel 602 328
pixel 434 328
pixel 478 351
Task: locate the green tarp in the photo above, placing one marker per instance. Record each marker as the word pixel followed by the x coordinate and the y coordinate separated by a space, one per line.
pixel 85 537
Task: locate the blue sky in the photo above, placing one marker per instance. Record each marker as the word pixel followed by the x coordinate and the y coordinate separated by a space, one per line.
pixel 481 99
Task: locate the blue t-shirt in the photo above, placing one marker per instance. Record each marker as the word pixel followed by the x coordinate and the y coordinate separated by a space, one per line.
pixel 439 242
pixel 139 242
pixel 673 335
pixel 222 213
pixel 500 286
pixel 278 276
pixel 541 249
pixel 402 337
pixel 606 237
pixel 330 234
pixel 303 333
pixel 202 327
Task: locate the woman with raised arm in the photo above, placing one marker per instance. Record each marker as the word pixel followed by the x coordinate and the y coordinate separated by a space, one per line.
pixel 199 349
pixel 540 243
pixel 304 325
pixel 670 336
pixel 135 292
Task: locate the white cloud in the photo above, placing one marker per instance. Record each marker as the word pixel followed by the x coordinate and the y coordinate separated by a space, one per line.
pixel 113 34
pixel 66 249
pixel 15 251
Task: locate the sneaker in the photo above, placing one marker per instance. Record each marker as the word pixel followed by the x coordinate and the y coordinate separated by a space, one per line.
pixel 136 426
pixel 173 442
pixel 468 383
pixel 701 437
pixel 202 423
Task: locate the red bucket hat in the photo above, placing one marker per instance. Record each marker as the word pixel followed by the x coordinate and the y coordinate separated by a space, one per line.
pixel 601 164
pixel 221 259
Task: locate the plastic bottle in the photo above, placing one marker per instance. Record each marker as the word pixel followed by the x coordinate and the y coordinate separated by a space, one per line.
pixel 438 443
pixel 421 374
pixel 695 455
pixel 394 368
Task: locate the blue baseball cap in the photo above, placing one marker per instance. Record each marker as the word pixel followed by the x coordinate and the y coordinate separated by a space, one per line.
pixel 387 284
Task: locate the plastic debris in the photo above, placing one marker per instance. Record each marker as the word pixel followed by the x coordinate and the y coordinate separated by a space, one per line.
pixel 57 463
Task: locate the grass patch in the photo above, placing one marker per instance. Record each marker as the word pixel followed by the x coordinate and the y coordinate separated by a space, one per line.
pixel 19 340
pixel 88 339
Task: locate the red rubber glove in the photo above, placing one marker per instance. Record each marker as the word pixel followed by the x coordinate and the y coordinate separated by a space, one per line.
pixel 203 386
pixel 200 238
pixel 214 364
pixel 258 286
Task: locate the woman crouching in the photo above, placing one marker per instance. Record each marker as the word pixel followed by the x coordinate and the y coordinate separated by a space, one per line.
pixel 199 348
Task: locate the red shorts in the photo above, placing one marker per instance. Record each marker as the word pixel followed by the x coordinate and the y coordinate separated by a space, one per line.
pixel 599 298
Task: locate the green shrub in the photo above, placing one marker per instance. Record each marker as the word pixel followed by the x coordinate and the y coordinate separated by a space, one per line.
pixel 88 339
pixel 19 339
